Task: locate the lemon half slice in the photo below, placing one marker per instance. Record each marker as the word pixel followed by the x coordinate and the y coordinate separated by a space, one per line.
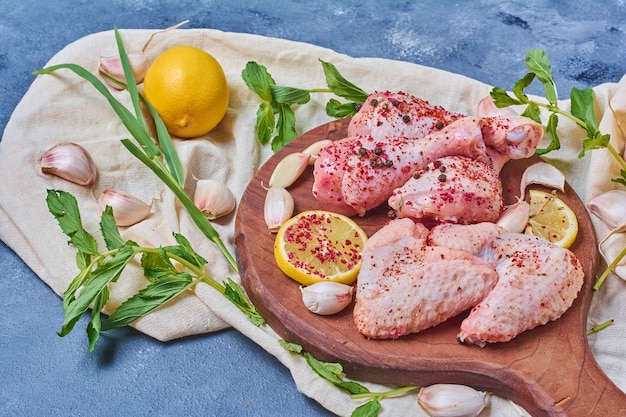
pixel 319 245
pixel 551 219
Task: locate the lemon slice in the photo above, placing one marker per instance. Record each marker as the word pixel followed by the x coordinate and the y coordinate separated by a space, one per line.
pixel 319 245
pixel 551 219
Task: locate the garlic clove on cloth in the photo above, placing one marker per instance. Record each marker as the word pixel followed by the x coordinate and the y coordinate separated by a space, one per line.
pixel 214 198
pixel 326 297
pixel 112 66
pixel 71 162
pixel 278 208
pixel 451 400
pixel 610 207
pixel 127 209
pixel 542 173
pixel 289 169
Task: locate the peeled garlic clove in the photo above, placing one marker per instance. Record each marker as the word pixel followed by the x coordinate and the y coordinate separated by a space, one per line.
pixel 327 297
pixel 278 208
pixel 314 149
pixel 112 66
pixel 451 400
pixel 610 207
pixel 515 217
pixel 127 209
pixel 214 198
pixel 289 169
pixel 71 162
pixel 542 173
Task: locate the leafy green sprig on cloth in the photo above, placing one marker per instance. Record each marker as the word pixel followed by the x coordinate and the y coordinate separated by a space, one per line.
pixel 278 100
pixel 333 373
pixel 99 269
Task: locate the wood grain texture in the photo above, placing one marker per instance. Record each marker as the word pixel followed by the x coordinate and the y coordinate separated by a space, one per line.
pixel 549 370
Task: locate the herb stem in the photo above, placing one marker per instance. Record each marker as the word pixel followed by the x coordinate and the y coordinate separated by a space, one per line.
pixel 601 326
pixel 608 270
pixel 386 394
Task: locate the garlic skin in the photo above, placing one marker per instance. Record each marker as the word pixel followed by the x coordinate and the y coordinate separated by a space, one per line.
pixel 71 162
pixel 127 209
pixel 326 297
pixel 289 169
pixel 112 66
pixel 451 400
pixel 515 217
pixel 278 208
pixel 314 149
pixel 610 207
pixel 214 198
pixel 542 173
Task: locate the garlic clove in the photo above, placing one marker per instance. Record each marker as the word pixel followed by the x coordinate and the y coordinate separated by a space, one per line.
pixel 610 207
pixel 314 149
pixel 515 217
pixel 289 169
pixel 451 400
pixel 278 208
pixel 127 209
pixel 214 198
pixel 112 66
pixel 542 173
pixel 71 162
pixel 326 297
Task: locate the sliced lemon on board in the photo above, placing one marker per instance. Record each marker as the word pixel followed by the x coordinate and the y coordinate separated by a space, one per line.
pixel 551 219
pixel 319 245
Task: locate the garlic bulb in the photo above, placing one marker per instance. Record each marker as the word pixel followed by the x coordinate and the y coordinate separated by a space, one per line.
pixel 127 209
pixel 289 169
pixel 278 208
pixel 542 173
pixel 314 149
pixel 71 162
pixel 451 400
pixel 326 297
pixel 515 217
pixel 214 198
pixel 112 66
pixel 610 207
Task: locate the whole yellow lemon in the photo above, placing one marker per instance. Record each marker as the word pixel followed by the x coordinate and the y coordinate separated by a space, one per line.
pixel 188 89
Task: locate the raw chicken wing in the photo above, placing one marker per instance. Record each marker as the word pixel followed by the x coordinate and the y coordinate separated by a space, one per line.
pixel 537 283
pixel 405 286
pixel 468 237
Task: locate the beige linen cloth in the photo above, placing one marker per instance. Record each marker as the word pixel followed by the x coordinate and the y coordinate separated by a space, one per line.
pixel 64 107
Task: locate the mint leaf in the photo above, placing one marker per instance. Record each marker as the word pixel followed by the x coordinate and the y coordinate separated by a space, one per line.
pixel 520 85
pixel 258 80
pixel 109 230
pixel 157 265
pixel 290 347
pixel 64 208
pixel 148 299
pixel 237 296
pixel 340 86
pixel 286 127
pixel 582 108
pixel 265 122
pixel 597 141
pixel 537 62
pixel 555 144
pixel 334 108
pixel 502 99
pixel 369 409
pixel 290 95
pixel 94 326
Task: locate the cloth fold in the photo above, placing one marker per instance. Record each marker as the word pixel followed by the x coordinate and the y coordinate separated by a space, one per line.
pixel 64 107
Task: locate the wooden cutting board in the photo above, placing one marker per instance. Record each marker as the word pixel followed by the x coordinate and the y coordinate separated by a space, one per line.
pixel 550 370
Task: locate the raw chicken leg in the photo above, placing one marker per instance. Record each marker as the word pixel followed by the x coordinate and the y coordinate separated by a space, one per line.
pixel 537 283
pixel 453 189
pixel 405 286
pixel 356 174
pixel 386 114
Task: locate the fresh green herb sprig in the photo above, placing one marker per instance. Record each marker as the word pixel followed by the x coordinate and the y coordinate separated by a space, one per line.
pixel 99 269
pixel 278 100
pixel 333 373
pixel 162 159
pixel 581 109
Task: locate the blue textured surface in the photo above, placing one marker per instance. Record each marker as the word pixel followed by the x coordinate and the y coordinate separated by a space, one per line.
pixel 225 374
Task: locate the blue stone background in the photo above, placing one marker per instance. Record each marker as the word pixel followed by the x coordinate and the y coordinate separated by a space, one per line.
pixel 225 374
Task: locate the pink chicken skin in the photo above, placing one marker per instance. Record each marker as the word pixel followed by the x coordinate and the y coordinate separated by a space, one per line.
pixel 405 286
